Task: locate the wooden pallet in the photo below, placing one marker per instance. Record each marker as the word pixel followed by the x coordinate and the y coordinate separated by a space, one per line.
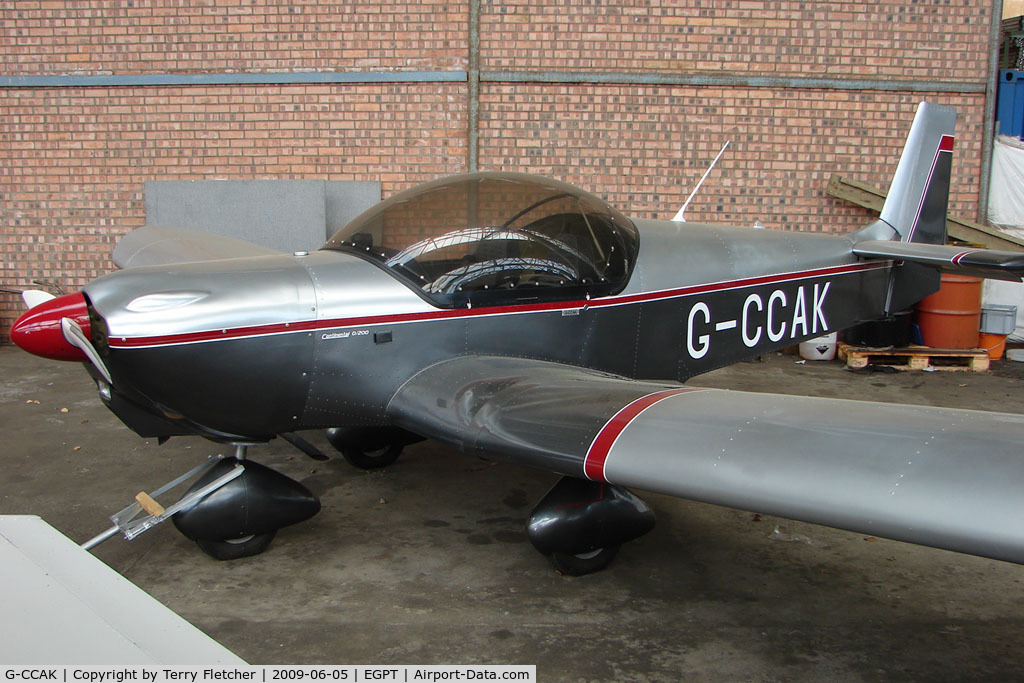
pixel 914 358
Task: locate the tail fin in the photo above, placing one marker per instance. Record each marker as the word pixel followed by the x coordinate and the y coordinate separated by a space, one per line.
pixel 919 193
pixel 916 209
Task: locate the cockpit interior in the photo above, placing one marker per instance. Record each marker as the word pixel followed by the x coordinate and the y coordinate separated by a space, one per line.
pixel 496 239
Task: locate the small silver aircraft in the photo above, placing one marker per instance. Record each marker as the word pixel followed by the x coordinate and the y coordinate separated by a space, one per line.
pixel 519 318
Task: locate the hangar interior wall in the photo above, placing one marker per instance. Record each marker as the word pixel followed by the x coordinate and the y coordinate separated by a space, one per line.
pixel 629 99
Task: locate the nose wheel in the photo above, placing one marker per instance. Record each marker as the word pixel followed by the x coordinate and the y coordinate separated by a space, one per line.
pixel 232 510
pixel 236 548
pixel 241 518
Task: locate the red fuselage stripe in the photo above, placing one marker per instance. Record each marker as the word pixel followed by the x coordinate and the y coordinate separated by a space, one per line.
pixel 597 454
pixel 120 342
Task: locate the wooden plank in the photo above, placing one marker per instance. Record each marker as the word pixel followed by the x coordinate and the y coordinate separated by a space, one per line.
pixel 957 228
pixel 915 358
pixel 855 193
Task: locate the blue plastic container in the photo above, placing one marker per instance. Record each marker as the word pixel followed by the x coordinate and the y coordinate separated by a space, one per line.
pixel 1010 103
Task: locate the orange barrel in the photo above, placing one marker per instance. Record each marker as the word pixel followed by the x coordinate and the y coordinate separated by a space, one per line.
pixel 949 318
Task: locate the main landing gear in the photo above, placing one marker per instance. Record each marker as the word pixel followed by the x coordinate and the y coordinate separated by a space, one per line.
pixel 580 524
pixel 370 448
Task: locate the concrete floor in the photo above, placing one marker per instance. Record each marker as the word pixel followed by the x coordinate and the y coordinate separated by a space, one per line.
pixel 427 562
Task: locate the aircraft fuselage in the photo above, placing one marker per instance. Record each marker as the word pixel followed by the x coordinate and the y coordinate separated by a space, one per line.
pixel 336 335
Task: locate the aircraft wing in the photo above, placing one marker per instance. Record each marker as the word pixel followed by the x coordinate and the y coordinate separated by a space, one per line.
pixel 1000 265
pixel 153 245
pixel 935 476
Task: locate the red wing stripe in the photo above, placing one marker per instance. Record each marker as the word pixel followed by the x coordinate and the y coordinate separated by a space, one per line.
pixel 593 466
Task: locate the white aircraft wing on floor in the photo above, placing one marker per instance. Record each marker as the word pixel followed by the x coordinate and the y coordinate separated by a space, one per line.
pixel 63 606
pixel 935 476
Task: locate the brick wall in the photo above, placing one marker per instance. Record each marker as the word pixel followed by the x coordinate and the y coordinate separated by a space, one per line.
pixel 646 147
pixel 893 39
pixel 157 36
pixel 74 159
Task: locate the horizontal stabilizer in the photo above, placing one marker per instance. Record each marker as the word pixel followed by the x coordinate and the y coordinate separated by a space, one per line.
pixel 935 476
pixel 999 265
pixel 153 245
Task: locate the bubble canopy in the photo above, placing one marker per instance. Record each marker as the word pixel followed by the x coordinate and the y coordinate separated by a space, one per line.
pixel 496 238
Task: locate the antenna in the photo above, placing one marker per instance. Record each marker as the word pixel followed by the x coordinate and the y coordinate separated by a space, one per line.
pixel 679 214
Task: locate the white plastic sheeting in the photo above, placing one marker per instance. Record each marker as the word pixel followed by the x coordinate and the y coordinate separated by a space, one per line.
pixel 1006 191
pixel 1006 212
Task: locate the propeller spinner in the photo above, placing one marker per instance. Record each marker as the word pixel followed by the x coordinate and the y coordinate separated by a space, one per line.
pixel 39 330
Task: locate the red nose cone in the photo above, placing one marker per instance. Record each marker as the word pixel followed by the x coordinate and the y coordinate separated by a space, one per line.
pixel 38 331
